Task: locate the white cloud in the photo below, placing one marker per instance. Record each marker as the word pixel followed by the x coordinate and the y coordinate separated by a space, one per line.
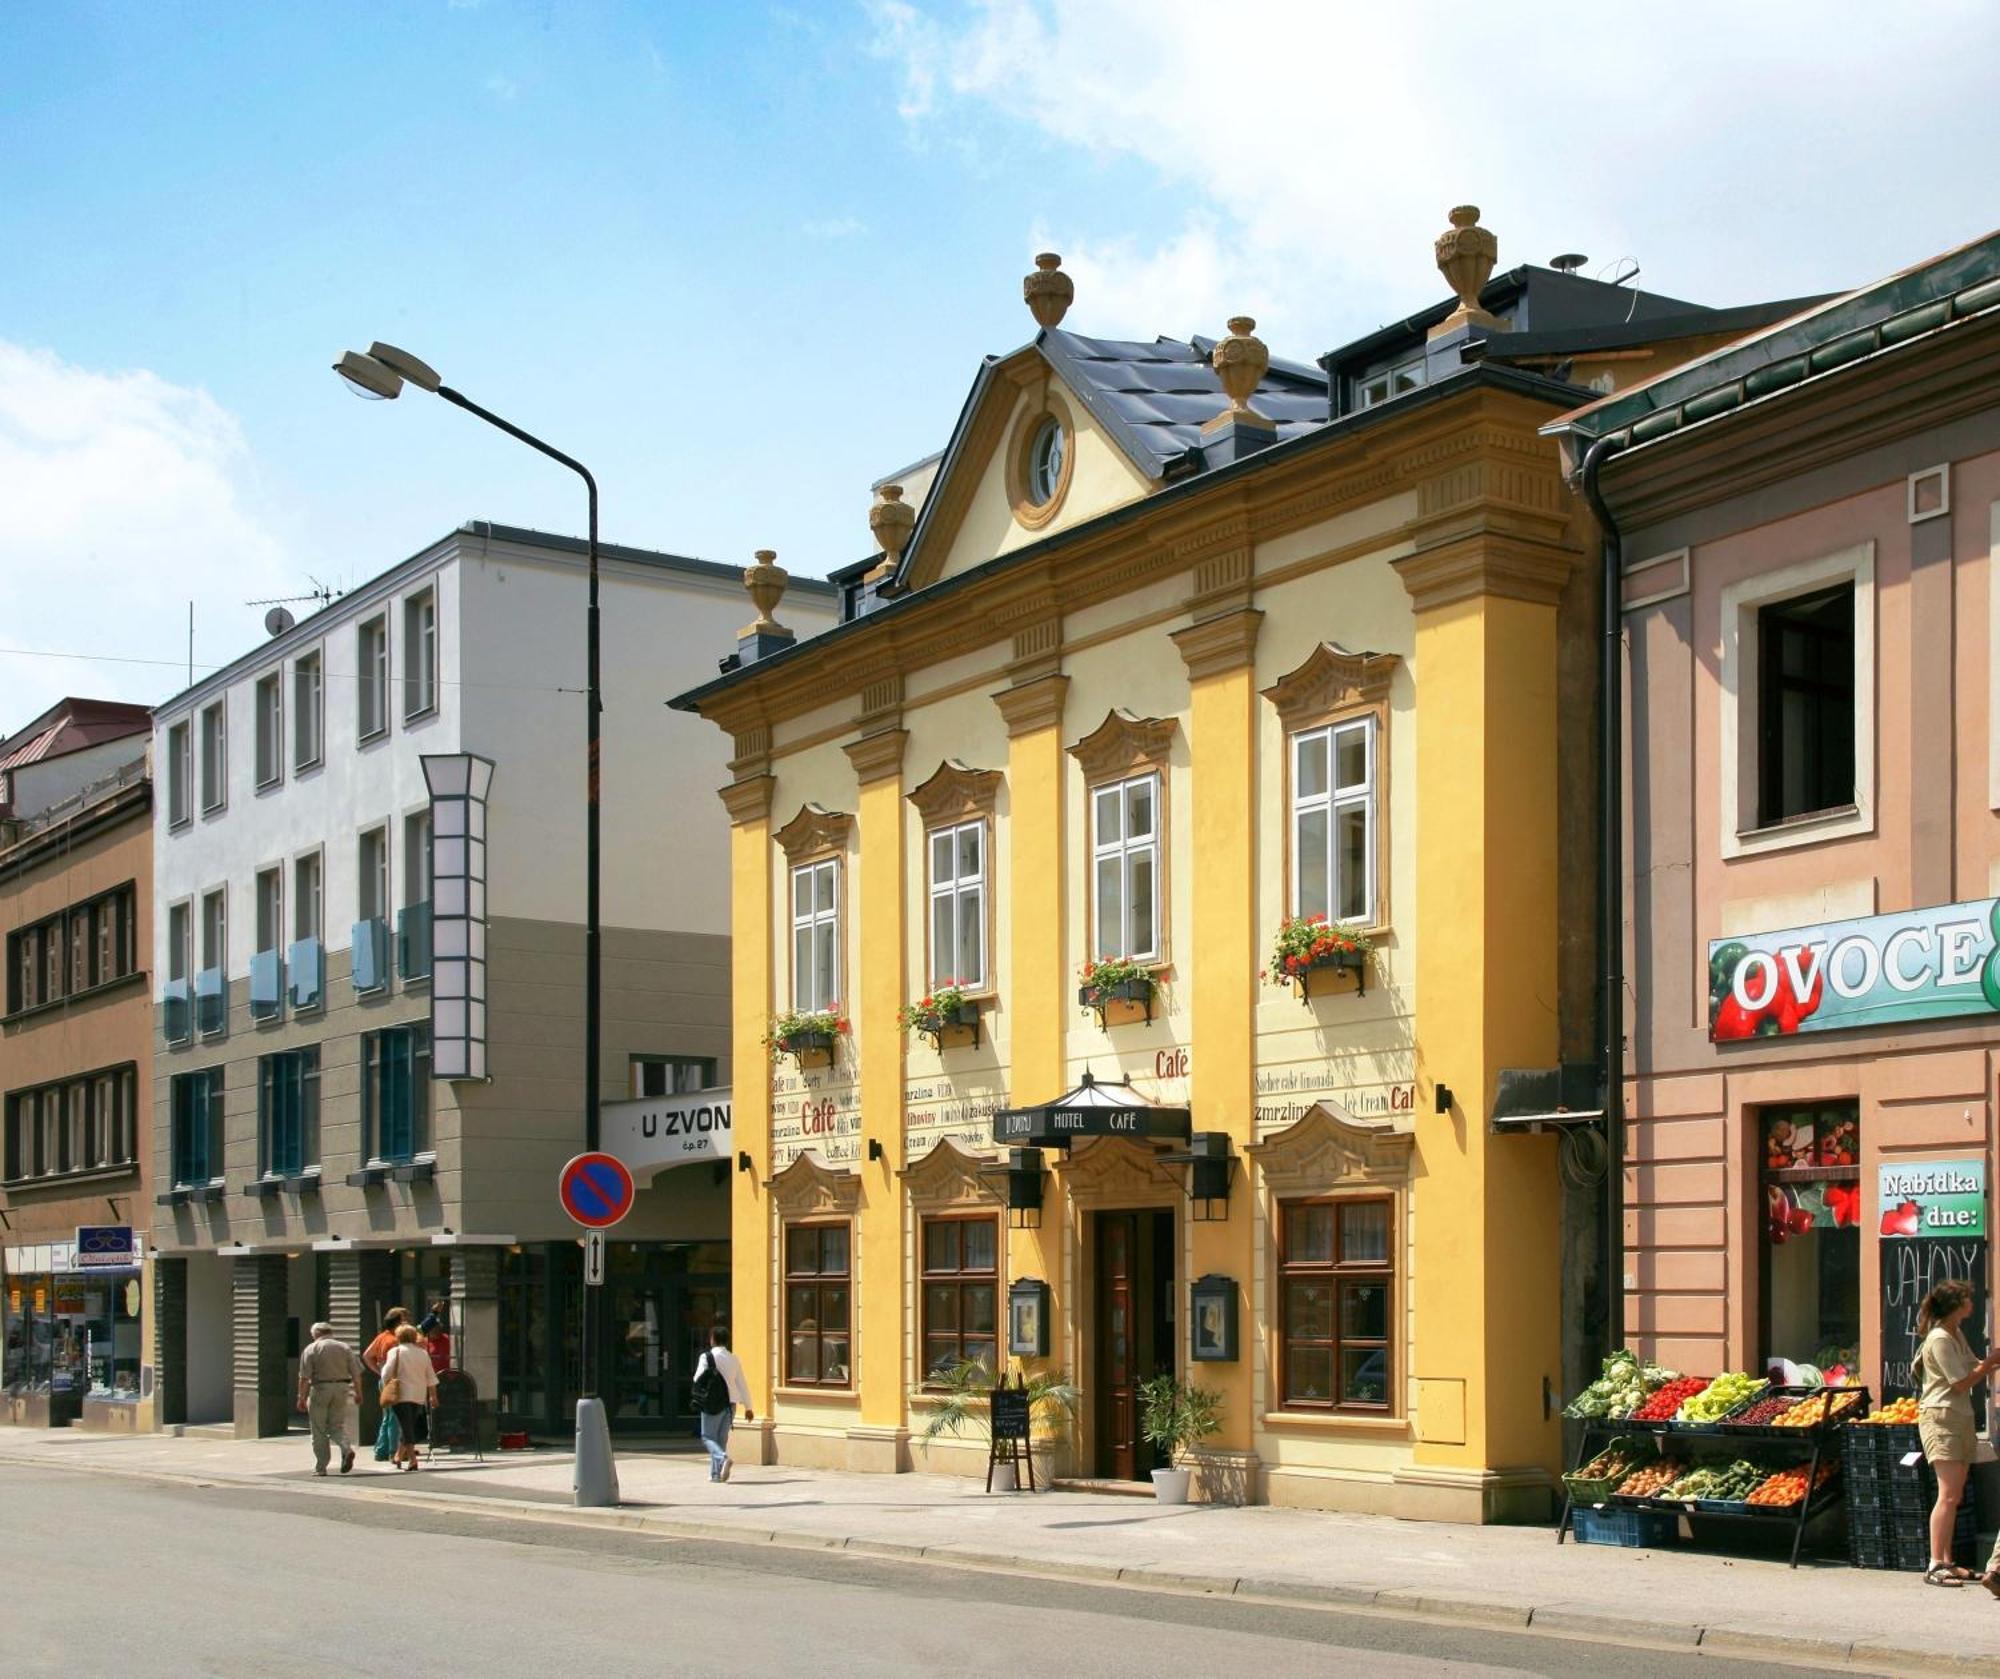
pixel 1737 152
pixel 126 497
pixel 833 227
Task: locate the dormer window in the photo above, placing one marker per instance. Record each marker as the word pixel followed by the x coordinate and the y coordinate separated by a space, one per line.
pixel 1378 385
pixel 1045 462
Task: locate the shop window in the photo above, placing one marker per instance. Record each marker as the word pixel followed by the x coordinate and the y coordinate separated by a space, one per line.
pixel 196 1121
pixel 1811 1275
pixel 1337 1299
pixel 818 1304
pixel 1125 853
pixel 73 1336
pixel 960 1295
pixel 395 1092
pixel 816 935
pixel 1805 705
pixel 288 1113
pixel 1333 821
pixel 672 1075
pixel 958 906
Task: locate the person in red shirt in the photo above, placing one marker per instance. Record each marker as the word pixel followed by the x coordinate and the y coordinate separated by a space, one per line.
pixel 437 1339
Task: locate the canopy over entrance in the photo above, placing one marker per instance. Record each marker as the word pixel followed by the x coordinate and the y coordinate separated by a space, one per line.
pixel 1090 1110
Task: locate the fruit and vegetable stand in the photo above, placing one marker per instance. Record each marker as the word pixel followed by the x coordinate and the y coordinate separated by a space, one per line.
pixel 1731 1448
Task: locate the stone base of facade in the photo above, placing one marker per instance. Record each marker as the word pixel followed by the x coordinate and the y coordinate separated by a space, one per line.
pixel 809 1448
pixel 1436 1493
pixel 114 1416
pixel 878 1451
pixel 1225 1477
pixel 754 1442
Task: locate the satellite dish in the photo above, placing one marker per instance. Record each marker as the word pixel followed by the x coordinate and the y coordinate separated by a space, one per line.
pixel 278 620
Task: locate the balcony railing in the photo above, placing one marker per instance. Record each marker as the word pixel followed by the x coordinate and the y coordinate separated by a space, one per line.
pixel 305 964
pixel 267 985
pixel 211 1002
pixel 370 964
pixel 413 941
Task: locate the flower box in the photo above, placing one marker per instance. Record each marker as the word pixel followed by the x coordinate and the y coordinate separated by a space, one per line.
pixel 1309 944
pixel 944 1011
pixel 807 1036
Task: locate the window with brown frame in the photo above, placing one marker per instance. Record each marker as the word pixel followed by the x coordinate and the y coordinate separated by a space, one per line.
pixel 819 1335
pixel 1338 1285
pixel 961 1284
pixel 91 944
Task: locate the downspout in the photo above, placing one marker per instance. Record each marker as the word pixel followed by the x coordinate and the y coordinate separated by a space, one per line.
pixel 1611 892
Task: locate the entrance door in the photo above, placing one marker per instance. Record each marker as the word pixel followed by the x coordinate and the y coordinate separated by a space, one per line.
pixel 1135 1339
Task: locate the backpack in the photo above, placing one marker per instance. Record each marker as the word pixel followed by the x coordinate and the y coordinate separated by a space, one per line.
pixel 711 1390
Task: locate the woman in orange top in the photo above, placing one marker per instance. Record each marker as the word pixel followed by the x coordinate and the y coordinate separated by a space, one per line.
pixel 378 1349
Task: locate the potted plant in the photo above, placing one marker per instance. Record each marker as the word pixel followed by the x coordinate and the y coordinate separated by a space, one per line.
pixel 1308 943
pixel 957 1397
pixel 1176 1416
pixel 804 1032
pixel 1114 979
pixel 932 1016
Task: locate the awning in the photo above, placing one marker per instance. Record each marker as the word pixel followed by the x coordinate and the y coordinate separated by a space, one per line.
pixel 1090 1110
pixel 1548 1098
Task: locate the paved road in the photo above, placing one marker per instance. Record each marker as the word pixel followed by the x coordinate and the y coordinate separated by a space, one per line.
pixel 117 1576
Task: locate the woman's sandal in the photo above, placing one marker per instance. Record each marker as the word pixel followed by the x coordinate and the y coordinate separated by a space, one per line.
pixel 1942 1574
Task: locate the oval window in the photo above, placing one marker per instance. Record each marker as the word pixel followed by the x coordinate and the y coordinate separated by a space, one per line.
pixel 1045 462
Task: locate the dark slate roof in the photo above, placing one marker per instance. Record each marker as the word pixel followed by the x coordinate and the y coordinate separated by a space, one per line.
pixel 1154 398
pixel 1657 329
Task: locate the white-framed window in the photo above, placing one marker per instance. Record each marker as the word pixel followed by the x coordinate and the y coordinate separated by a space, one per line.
pixel 308 710
pixel 215 928
pixel 270 908
pixel 1125 852
pixel 958 905
pixel 371 663
pixel 180 948
pixel 306 896
pixel 816 934
pixel 417 857
pixel 1384 383
pixel 1334 814
pixel 1045 461
pixel 373 885
pixel 270 718
pixel 1796 731
pixel 420 649
pixel 214 757
pixel 180 775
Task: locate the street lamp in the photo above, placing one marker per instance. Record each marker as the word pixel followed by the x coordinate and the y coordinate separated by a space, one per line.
pixel 380 373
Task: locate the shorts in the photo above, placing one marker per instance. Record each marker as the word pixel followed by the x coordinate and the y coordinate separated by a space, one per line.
pixel 1948 1436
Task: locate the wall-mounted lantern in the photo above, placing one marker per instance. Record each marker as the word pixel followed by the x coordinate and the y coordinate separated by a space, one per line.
pixel 1028 1318
pixel 1211 1165
pixel 1024 1188
pixel 1212 1321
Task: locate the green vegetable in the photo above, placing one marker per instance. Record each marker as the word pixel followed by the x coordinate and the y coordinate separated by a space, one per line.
pixel 1624 1386
pixel 1729 1390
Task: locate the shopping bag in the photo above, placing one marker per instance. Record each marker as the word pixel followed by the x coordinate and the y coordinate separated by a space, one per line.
pixel 385 1438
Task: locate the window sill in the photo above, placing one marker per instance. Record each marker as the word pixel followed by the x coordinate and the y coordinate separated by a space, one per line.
pixel 90 992
pixel 1840 822
pixel 214 810
pixel 371 738
pixel 1348 1422
pixel 422 1170
pixel 308 766
pixel 65 1180
pixel 423 716
pixel 843 1395
pixel 180 827
pixel 182 1194
pixel 271 785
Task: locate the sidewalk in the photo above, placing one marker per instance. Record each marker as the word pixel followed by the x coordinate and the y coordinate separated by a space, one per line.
pixel 1825 1615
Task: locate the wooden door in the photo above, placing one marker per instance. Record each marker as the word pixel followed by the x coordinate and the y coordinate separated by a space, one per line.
pixel 1117 1357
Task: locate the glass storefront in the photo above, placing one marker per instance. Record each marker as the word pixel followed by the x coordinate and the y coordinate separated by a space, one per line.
pixel 1812 1234
pixel 71 1337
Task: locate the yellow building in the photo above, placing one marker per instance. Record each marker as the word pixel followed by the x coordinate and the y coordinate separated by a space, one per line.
pixel 1181 642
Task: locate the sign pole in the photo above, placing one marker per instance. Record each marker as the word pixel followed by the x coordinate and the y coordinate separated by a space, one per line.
pixel 596 1190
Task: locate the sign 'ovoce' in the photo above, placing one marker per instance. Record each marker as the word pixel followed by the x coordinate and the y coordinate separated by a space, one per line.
pixel 1922 964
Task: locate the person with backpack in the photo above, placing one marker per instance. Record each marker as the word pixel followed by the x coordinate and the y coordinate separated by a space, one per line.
pixel 719 1388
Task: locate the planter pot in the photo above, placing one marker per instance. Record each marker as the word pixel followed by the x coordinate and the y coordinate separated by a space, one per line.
pixel 1354 962
pixel 1099 998
pixel 1170 1486
pixel 802 1044
pixel 1004 1479
pixel 965 1016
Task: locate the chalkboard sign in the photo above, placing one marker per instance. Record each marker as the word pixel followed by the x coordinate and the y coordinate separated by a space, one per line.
pixel 1933 1229
pixel 1010 1413
pixel 455 1420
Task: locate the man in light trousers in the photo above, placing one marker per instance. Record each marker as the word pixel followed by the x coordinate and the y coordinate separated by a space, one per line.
pixel 329 1381
pixel 715 1424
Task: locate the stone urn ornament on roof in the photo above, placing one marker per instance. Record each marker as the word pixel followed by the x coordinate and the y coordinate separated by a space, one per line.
pixel 890 522
pixel 765 583
pixel 1240 362
pixel 1048 291
pixel 1466 253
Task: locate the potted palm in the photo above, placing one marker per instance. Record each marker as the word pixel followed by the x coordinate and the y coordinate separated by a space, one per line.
pixel 1176 1416
pixel 957 1395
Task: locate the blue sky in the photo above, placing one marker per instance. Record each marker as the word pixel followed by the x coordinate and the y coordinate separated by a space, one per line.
pixel 743 259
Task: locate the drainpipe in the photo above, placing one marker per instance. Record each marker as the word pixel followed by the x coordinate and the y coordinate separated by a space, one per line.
pixel 1611 894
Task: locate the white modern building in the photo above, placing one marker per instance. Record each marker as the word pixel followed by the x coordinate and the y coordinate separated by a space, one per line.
pixel 369 971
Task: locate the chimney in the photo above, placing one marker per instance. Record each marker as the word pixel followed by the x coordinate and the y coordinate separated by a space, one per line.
pixel 1048 291
pixel 1466 253
pixel 1240 362
pixel 765 583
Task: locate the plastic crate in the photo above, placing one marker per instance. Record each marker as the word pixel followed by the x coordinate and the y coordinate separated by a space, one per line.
pixel 1632 1529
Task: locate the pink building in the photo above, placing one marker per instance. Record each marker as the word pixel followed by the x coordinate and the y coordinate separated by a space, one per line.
pixel 1808 523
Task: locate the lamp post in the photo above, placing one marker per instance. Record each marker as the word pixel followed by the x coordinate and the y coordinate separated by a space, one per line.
pixel 381 372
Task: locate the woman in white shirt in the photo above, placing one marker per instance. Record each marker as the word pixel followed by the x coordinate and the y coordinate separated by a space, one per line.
pixel 414 1391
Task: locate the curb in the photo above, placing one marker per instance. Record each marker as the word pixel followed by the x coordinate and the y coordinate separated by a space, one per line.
pixel 1557 1619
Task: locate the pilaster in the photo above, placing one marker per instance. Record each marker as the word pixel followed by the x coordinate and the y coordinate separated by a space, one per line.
pixel 750 892
pixel 257 1310
pixel 170 1302
pixel 358 1281
pixel 475 1291
pixel 879 1050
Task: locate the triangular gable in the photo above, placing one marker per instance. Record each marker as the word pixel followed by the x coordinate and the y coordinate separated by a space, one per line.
pixel 978 506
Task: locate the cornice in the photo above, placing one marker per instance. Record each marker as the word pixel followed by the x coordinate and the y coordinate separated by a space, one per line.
pixel 955 792
pixel 1484 565
pixel 1218 645
pixel 1327 1145
pixel 1124 745
pixel 749 800
pixel 814 830
pixel 948 1175
pixel 1032 705
pixel 809 1185
pixel 1330 679
pixel 878 756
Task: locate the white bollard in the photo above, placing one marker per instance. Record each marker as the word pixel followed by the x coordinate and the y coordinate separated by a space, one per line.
pixel 595 1477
